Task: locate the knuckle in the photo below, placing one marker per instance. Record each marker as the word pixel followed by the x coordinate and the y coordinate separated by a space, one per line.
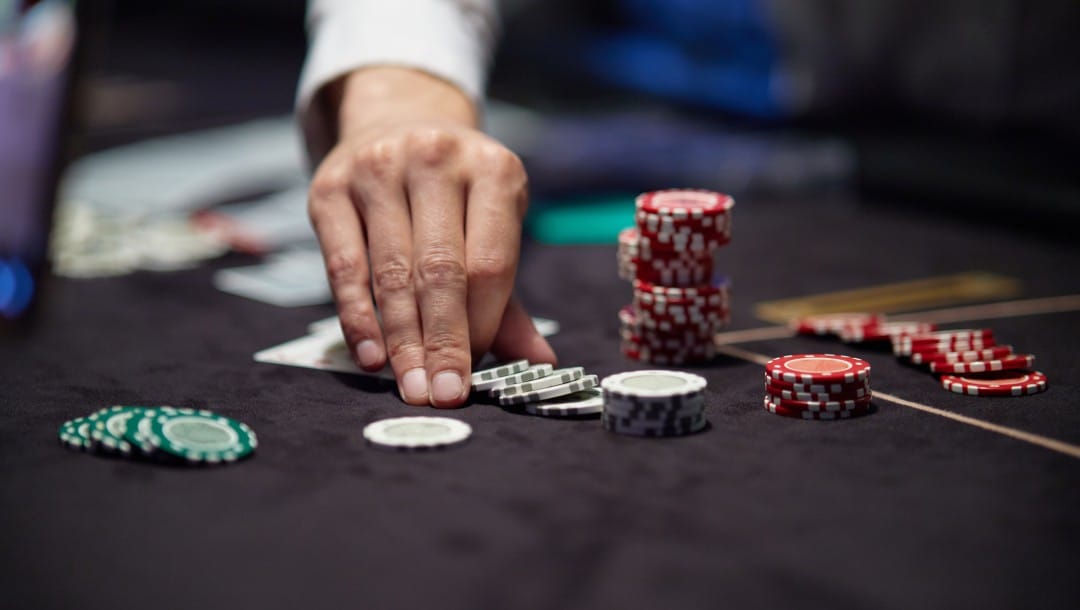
pixel 403 347
pixel 346 267
pixel 504 163
pixel 440 268
pixel 490 267
pixel 434 146
pixel 392 276
pixel 446 345
pixel 326 186
pixel 378 161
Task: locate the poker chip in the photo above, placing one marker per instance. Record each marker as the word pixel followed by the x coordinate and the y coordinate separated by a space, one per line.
pixel 997 383
pixel 75 433
pixel 547 393
pixel 535 371
pixel 578 404
pixel 501 370
pixel 684 203
pixel 201 436
pixel 179 434
pixel 818 368
pixel 883 331
pixel 417 433
pixel 819 388
pixel 834 323
pixel 1006 363
pixel 988 353
pixel 783 411
pixel 858 392
pixel 108 426
pixel 823 405
pixel 554 378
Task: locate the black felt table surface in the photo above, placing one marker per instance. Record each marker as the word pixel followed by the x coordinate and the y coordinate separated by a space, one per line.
pixel 900 509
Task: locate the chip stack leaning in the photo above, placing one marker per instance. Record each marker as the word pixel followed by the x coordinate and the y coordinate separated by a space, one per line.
pixel 679 303
pixel 817 386
pixel 654 403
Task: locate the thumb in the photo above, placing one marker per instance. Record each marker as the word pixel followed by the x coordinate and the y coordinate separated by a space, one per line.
pixel 517 337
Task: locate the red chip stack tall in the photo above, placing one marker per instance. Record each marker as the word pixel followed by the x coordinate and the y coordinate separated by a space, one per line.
pixel 679 304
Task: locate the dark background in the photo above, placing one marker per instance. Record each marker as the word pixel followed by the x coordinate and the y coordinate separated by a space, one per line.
pixel 172 66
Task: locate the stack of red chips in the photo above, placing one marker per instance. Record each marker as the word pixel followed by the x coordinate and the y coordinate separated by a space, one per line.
pixel 679 304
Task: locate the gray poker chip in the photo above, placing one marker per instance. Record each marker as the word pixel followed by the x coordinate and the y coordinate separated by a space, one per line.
pixel 585 402
pixel 501 370
pixel 556 377
pixel 578 385
pixel 535 371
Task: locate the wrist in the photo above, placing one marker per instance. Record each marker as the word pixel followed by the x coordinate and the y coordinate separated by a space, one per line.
pixel 380 95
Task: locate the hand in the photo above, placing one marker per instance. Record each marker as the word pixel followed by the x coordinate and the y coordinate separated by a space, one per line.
pixel 417 206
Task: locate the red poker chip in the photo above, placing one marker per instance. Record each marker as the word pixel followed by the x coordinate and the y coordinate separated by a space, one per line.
pixel 998 383
pixel 781 410
pixel 987 353
pixel 678 310
pixel 782 393
pixel 883 331
pixel 717 224
pixel 643 355
pixel 833 323
pixel 941 336
pixel 823 405
pixel 699 244
pixel 818 368
pixel 668 278
pixel 902 348
pixel 692 292
pixel 684 203
pixel 1006 363
pixel 820 388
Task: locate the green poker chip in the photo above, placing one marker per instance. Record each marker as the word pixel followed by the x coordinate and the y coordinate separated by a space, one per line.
pixel 198 436
pixel 137 429
pixel 75 433
pixel 108 427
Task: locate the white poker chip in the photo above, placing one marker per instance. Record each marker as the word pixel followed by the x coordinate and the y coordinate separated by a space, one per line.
pixel 535 371
pixel 417 433
pixel 556 377
pixel 501 370
pixel 585 383
pixel 653 384
pixel 585 402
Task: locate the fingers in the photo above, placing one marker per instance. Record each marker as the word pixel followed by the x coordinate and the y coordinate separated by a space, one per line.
pixel 517 337
pixel 341 238
pixel 437 203
pixel 496 206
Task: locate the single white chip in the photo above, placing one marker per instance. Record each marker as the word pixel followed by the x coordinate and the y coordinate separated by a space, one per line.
pixel 554 378
pixel 652 384
pixel 417 433
pixel 535 371
pixel 578 385
pixel 585 402
pixel 501 370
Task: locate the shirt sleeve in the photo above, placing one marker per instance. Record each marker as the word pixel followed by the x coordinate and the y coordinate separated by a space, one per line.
pixel 450 39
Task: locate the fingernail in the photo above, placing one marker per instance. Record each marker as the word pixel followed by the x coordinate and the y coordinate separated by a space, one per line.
pixel 368 353
pixel 446 387
pixel 414 385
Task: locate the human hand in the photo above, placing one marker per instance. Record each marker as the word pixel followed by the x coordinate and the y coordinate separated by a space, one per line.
pixel 417 206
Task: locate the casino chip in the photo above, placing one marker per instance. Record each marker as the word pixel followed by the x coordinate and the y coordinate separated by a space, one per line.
pixel 999 383
pixel 679 302
pixel 1014 362
pixel 654 403
pixel 554 378
pixel 185 435
pixel 585 402
pixel 836 323
pixel 535 371
pixel 501 370
pixel 817 386
pixel 547 393
pixel 818 368
pixel 417 433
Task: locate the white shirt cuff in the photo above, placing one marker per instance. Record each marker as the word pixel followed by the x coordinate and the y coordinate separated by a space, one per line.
pixel 450 39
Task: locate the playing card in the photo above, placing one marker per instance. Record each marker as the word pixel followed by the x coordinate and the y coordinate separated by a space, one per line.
pixel 292 278
pixel 325 351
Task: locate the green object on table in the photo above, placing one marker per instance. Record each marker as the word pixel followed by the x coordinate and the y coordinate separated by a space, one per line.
pixel 580 220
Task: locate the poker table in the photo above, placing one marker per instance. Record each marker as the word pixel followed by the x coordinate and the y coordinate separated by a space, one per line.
pixel 906 507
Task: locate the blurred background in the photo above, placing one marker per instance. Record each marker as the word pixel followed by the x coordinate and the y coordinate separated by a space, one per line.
pixel 964 108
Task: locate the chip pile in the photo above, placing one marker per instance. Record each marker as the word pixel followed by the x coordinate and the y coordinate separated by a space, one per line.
pixel 679 303
pixel 185 436
pixel 654 403
pixel 817 386
pixel 969 361
pixel 540 389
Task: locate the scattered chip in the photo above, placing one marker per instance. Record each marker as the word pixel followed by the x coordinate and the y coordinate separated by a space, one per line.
pixel 1006 363
pixel 501 370
pixel 585 402
pixel 998 383
pixel 535 371
pixel 555 391
pixel 417 433
pixel 556 377
pixel 201 436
